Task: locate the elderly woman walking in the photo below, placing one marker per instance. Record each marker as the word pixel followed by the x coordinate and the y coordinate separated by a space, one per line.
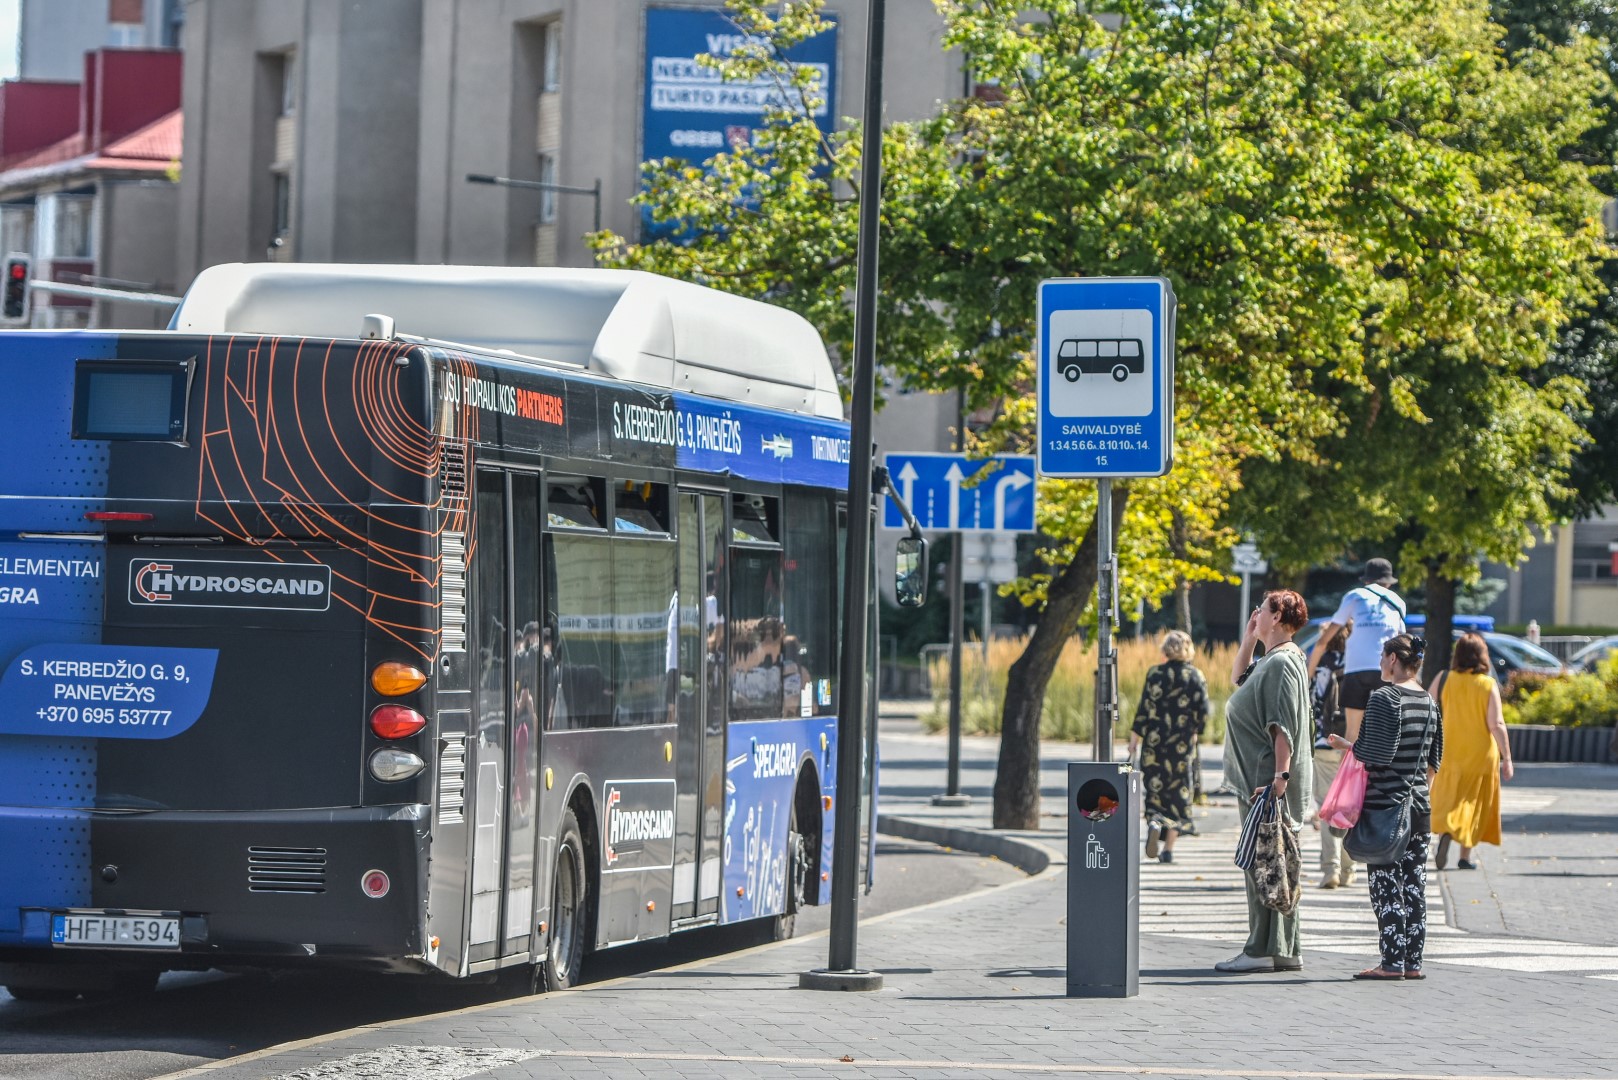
pixel 1267 721
pixel 1401 743
pixel 1173 714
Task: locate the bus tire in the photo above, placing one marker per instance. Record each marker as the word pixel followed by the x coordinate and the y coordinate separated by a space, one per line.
pixel 1071 373
pixel 785 925
pixel 570 909
pixel 1120 373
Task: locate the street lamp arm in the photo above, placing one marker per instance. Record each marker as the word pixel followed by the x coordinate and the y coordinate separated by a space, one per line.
pixel 593 191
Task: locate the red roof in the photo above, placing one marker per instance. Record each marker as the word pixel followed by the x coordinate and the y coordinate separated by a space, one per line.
pixel 152 148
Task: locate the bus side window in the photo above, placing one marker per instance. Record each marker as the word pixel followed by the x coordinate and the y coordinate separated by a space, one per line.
pixel 1109 348
pixel 810 605
pixel 579 570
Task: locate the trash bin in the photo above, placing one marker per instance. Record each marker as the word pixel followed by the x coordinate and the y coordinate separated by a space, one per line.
pixel 1103 879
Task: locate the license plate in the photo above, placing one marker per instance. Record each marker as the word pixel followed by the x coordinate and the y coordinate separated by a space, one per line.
pixel 115 931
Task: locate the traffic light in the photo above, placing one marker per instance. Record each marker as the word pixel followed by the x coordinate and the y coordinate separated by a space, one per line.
pixel 16 286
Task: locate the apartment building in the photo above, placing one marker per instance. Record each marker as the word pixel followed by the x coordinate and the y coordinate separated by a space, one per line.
pixel 54 35
pixel 345 132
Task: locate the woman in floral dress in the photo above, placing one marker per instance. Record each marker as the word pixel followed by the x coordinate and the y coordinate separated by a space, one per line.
pixel 1172 715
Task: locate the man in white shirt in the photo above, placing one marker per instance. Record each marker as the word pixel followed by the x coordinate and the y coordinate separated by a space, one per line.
pixel 1378 613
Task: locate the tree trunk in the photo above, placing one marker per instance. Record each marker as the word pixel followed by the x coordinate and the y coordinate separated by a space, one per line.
pixel 1440 621
pixel 1182 588
pixel 1016 780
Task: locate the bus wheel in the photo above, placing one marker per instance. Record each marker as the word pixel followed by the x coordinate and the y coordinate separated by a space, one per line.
pixel 1071 373
pixel 784 925
pixel 570 908
pixel 1120 373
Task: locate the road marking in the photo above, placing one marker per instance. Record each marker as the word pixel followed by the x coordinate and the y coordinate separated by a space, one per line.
pixel 1200 895
pixel 845 1066
pixel 415 1062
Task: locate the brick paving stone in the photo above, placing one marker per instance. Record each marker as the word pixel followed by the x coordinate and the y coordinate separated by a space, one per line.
pixel 977 990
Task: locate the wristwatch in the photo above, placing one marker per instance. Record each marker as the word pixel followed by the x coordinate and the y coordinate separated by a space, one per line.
pixel 1283 776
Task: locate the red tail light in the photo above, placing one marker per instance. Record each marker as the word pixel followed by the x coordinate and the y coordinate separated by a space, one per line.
pixel 396 721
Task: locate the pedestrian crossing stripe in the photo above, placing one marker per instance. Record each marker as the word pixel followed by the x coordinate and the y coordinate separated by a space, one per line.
pixel 1201 896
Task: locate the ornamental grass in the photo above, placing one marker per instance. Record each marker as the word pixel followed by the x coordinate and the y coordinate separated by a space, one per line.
pixel 1069 712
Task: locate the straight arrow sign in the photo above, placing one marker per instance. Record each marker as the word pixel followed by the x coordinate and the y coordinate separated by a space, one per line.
pixel 941 492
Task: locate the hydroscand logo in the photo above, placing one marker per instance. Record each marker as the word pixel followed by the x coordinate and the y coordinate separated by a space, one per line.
pixel 200 583
pixel 640 825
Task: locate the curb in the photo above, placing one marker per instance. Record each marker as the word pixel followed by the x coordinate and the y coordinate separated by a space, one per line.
pixel 1030 856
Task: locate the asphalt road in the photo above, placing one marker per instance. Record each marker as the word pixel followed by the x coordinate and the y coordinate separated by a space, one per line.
pixel 200 1016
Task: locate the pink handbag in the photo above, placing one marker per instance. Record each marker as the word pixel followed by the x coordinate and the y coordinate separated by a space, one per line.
pixel 1341 807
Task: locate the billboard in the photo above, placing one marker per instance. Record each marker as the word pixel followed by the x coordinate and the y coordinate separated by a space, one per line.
pixel 689 112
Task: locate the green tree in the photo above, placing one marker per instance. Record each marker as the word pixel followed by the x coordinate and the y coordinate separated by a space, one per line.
pixel 1458 436
pixel 1256 153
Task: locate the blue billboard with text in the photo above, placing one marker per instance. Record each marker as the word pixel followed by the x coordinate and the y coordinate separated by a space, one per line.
pixel 1106 377
pixel 690 113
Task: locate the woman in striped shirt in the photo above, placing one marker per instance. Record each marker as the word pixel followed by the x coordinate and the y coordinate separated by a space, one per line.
pixel 1400 744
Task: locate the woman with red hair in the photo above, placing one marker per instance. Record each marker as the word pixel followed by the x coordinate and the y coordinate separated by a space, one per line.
pixel 1267 721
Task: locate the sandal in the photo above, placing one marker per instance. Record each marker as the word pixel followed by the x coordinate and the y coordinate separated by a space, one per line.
pixel 1414 973
pixel 1379 973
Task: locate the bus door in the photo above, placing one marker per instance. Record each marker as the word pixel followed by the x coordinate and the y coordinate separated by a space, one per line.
pixel 700 762
pixel 501 772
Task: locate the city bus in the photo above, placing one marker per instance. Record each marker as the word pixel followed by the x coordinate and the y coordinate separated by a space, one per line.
pixel 417 619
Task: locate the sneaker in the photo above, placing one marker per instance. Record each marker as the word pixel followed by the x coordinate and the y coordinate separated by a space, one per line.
pixel 1441 855
pixel 1243 964
pixel 1154 840
pixel 1165 856
pixel 1288 963
pixel 1330 881
pixel 1465 864
pixel 1347 877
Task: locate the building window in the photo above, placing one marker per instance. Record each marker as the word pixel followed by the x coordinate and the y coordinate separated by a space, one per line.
pixel 551 72
pixel 283 204
pixel 547 197
pixel 289 84
pixel 74 218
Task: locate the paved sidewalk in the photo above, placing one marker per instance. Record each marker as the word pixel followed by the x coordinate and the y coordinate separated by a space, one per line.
pixel 975 988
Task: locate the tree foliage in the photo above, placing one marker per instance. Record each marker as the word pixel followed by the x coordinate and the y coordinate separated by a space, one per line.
pixel 1361 206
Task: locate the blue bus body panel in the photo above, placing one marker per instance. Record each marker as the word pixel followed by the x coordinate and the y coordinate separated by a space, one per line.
pixel 44 842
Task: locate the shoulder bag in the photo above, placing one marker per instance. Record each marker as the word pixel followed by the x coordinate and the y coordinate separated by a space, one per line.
pixel 1277 862
pixel 1381 834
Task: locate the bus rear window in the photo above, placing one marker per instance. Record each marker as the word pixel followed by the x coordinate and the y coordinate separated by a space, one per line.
pixel 131 400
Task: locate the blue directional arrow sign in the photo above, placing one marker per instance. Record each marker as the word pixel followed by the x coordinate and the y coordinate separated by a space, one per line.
pixel 955 493
pixel 1106 377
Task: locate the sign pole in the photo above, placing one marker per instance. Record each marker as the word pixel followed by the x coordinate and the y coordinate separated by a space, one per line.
pixel 1247 600
pixel 1106 593
pixel 957 630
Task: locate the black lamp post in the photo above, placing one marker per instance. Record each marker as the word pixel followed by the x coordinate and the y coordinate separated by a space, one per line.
pixel 841 972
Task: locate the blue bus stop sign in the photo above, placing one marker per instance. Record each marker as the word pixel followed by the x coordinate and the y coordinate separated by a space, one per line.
pixel 1106 377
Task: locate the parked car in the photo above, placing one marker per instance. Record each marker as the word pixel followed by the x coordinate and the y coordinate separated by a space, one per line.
pixel 1509 654
pixel 1589 658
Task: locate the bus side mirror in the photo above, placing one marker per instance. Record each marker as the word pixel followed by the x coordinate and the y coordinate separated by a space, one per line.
pixel 910 583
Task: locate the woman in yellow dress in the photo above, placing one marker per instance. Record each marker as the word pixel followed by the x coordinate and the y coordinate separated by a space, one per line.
pixel 1477 754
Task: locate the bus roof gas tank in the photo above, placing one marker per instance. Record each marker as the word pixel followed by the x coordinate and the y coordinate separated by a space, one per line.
pixel 624 324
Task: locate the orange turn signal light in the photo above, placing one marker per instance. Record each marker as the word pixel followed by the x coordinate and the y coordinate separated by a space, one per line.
pixel 393 679
pixel 396 721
